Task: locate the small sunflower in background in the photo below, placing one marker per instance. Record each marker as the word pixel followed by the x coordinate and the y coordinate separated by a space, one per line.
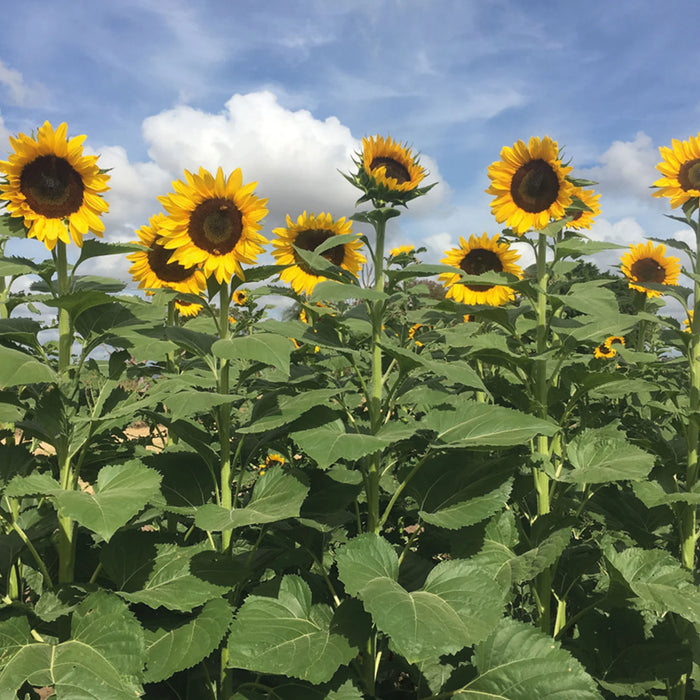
pixel 54 187
pixel 272 460
pixel 213 221
pixel 604 352
pixel 412 333
pixel 308 233
pixel 239 297
pixel 154 268
pixel 475 257
pixel 584 219
pixel 187 308
pixel 401 250
pixel 649 264
pixel 688 322
pixel 614 339
pixel 387 171
pixel 680 168
pixel 529 185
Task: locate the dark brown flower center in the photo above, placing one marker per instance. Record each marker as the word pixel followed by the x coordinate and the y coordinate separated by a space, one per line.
pixel 689 175
pixel 648 270
pixel 165 271
pixel 535 186
pixel 605 350
pixel 216 226
pixel 478 261
pixel 52 187
pixel 310 239
pixel 392 168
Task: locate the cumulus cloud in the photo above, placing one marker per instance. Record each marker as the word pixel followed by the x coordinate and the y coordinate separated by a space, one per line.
pixel 627 169
pixel 20 94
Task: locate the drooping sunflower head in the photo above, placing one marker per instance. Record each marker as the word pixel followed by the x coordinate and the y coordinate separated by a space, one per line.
pixel 604 352
pixel 213 221
pixel 475 257
pixel 154 268
pixel 680 168
pixel 54 187
pixel 187 308
pixel 529 185
pixel 308 233
pixel 387 171
pixel 583 219
pixel 649 264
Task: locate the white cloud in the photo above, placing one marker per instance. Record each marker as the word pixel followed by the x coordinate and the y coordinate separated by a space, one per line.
pixel 20 94
pixel 627 169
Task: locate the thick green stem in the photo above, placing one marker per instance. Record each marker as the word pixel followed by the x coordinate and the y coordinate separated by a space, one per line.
pixel 543 582
pixel 224 415
pixel 65 330
pixel 688 524
pixel 375 399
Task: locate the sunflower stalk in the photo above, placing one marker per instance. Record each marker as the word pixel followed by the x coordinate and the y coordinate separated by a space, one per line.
pixel 376 387
pixel 543 582
pixel 688 518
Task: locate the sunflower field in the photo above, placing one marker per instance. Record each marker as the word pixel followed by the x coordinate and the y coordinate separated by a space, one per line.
pixel 462 480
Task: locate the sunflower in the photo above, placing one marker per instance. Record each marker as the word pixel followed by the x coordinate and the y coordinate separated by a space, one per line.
pixel 611 340
pixel 476 256
pixel 604 352
pixel 239 297
pixel 412 333
pixel 645 263
pixel 400 250
pixel 154 268
pixel 187 308
pixel 214 222
pixel 270 461
pixel 584 219
pixel 680 168
pixel 309 232
pixel 529 185
pixel 688 322
pixel 54 187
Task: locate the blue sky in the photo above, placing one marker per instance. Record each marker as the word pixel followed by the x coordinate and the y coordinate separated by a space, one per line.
pixel 286 90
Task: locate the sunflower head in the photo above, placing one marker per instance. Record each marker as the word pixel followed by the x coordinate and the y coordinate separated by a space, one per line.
pixel 308 233
pixel 680 168
pixel 688 322
pixel 187 308
pixel 529 185
pixel 239 297
pixel 649 264
pixel 272 460
pixel 613 339
pixel 54 187
pixel 412 333
pixel 213 222
pixel 583 216
pixel 401 250
pixel 475 257
pixel 154 268
pixel 604 352
pixel 387 172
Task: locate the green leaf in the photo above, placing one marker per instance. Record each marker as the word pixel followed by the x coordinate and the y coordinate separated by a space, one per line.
pixel 288 635
pixel 276 496
pixel 120 492
pixel 103 658
pixel 192 402
pixel 475 424
pixel 518 662
pixel 173 648
pixel 329 291
pixel 77 302
pixel 657 579
pixel 278 410
pixel 19 368
pixel 328 443
pixel 197 343
pixel 454 493
pixel 148 571
pixel 458 606
pixel 268 348
pixel 21 330
pixel 602 455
